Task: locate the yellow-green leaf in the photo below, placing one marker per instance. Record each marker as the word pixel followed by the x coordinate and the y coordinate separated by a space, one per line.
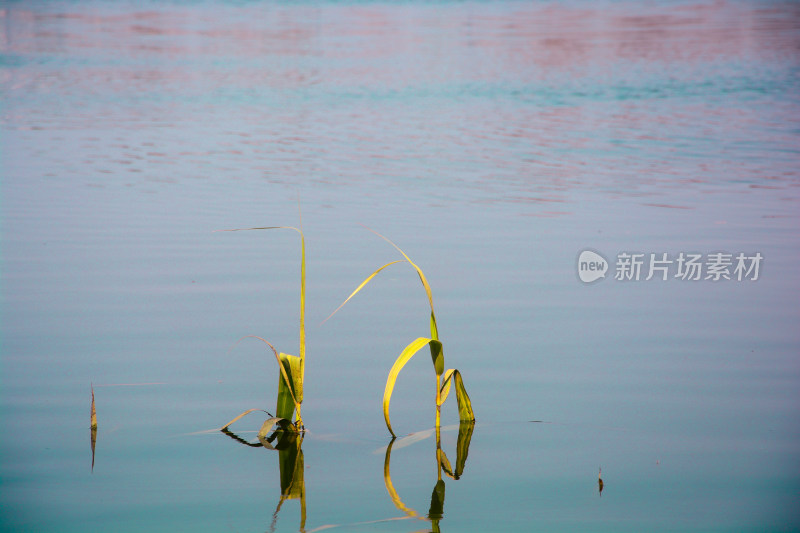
pixel 444 390
pixel 465 413
pixel 419 270
pixel 363 283
pixel 398 365
pixel 387 481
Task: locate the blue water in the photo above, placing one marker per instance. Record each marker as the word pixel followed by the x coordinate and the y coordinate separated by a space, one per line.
pixel 493 141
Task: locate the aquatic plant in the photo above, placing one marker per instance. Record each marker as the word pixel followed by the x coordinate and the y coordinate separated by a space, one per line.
pixel 93 414
pixel 292 367
pixel 444 379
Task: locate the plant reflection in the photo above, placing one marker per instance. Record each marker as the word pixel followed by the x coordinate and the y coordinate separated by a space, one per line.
pixel 288 444
pixel 93 426
pixel 600 482
pixel 93 437
pixel 436 510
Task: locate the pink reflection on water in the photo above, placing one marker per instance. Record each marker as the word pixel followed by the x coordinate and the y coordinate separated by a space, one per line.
pixel 398 45
pixel 522 102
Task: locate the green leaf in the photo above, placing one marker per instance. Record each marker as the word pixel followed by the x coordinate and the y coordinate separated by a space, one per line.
pixel 465 413
pixel 398 365
pixel 437 356
pixel 290 386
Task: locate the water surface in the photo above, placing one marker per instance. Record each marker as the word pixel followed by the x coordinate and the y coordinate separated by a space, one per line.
pixel 493 141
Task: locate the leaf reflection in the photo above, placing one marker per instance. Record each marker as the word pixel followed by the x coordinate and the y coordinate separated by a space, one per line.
pixel 93 427
pixel 288 444
pixel 600 482
pixel 93 437
pixel 292 471
pixel 436 509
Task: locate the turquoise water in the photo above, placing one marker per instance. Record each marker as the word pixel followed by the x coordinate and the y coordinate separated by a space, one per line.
pixel 494 142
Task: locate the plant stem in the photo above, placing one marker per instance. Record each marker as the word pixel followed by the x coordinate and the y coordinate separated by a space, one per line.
pixel 438 399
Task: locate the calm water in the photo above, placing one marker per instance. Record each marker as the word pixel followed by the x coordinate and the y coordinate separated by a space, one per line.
pixel 494 142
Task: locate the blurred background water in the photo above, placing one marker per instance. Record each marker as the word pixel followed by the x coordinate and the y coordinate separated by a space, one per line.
pixel 493 141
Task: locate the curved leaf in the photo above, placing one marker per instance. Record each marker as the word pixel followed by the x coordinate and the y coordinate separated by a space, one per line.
pixel 465 413
pixel 419 270
pixel 387 481
pixel 445 388
pixel 465 430
pixel 263 433
pixel 268 424
pixel 363 283
pixel 398 365
pixel 239 439
pixel 223 428
pixel 288 375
